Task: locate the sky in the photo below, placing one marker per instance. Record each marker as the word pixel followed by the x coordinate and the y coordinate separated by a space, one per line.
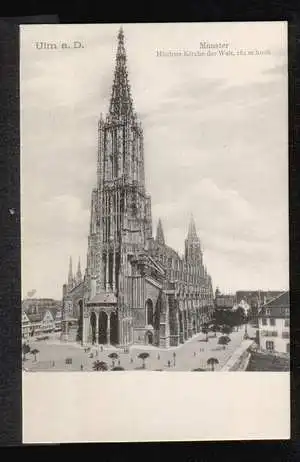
pixel 215 136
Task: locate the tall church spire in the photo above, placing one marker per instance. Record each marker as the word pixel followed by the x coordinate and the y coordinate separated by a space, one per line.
pixel 160 238
pixel 121 102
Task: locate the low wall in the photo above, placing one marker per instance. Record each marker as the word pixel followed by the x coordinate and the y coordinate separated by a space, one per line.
pixel 240 358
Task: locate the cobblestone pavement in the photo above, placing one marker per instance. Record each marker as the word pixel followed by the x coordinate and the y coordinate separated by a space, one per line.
pixel 191 355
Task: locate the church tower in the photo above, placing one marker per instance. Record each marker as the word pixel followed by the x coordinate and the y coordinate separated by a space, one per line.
pixel 120 224
pixel 193 252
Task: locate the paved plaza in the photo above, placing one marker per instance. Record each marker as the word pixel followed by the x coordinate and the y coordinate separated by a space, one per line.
pixel 191 355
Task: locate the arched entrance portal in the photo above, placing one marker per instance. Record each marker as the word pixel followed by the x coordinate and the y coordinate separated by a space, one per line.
pixel 93 321
pixel 114 335
pixel 149 338
pixel 102 328
pixel 149 312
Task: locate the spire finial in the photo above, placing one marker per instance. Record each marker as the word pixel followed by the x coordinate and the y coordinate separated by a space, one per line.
pixel 160 238
pixel 121 34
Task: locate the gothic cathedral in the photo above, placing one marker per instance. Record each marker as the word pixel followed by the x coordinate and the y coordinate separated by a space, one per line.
pixel 136 289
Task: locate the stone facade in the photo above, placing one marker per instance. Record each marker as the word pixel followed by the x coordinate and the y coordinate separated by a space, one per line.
pixel 135 289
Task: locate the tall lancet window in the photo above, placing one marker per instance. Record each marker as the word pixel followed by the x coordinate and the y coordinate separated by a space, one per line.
pixel 109 155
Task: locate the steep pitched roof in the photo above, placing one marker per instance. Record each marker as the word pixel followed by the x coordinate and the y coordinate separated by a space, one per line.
pixel 278 307
pixel 37 317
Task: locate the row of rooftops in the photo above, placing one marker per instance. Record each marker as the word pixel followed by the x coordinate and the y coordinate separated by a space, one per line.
pixel 269 303
pixel 36 308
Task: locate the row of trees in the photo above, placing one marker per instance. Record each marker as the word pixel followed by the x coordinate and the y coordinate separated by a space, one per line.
pixel 103 366
pixel 231 318
pixel 226 330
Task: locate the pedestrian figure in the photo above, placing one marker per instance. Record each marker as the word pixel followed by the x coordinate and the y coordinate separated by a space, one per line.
pixel 158 356
pixel 131 360
pixel 53 364
pixel 194 353
pixel 81 367
pixel 101 349
pixel 169 363
pixel 119 363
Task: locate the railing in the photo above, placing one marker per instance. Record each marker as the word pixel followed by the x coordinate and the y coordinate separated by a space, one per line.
pixel 240 357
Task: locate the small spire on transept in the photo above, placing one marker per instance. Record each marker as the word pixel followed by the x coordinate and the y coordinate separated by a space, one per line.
pixel 78 274
pixel 160 238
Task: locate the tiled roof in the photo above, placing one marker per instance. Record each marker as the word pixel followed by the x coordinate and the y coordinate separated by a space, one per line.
pixel 38 317
pixel 35 317
pixel 251 295
pixel 268 363
pixel 277 307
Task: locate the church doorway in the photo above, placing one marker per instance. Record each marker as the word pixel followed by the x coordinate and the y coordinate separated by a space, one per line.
pixel 103 328
pixel 114 337
pixel 149 338
pixel 149 312
pixel 93 321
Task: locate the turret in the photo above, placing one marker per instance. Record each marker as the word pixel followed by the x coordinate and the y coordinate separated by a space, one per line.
pixel 160 238
pixel 78 274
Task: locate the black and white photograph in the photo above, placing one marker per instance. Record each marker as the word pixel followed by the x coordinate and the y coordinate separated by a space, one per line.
pixel 154 199
pixel 154 192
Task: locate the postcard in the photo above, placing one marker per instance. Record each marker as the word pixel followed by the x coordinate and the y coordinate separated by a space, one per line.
pixel 154 192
